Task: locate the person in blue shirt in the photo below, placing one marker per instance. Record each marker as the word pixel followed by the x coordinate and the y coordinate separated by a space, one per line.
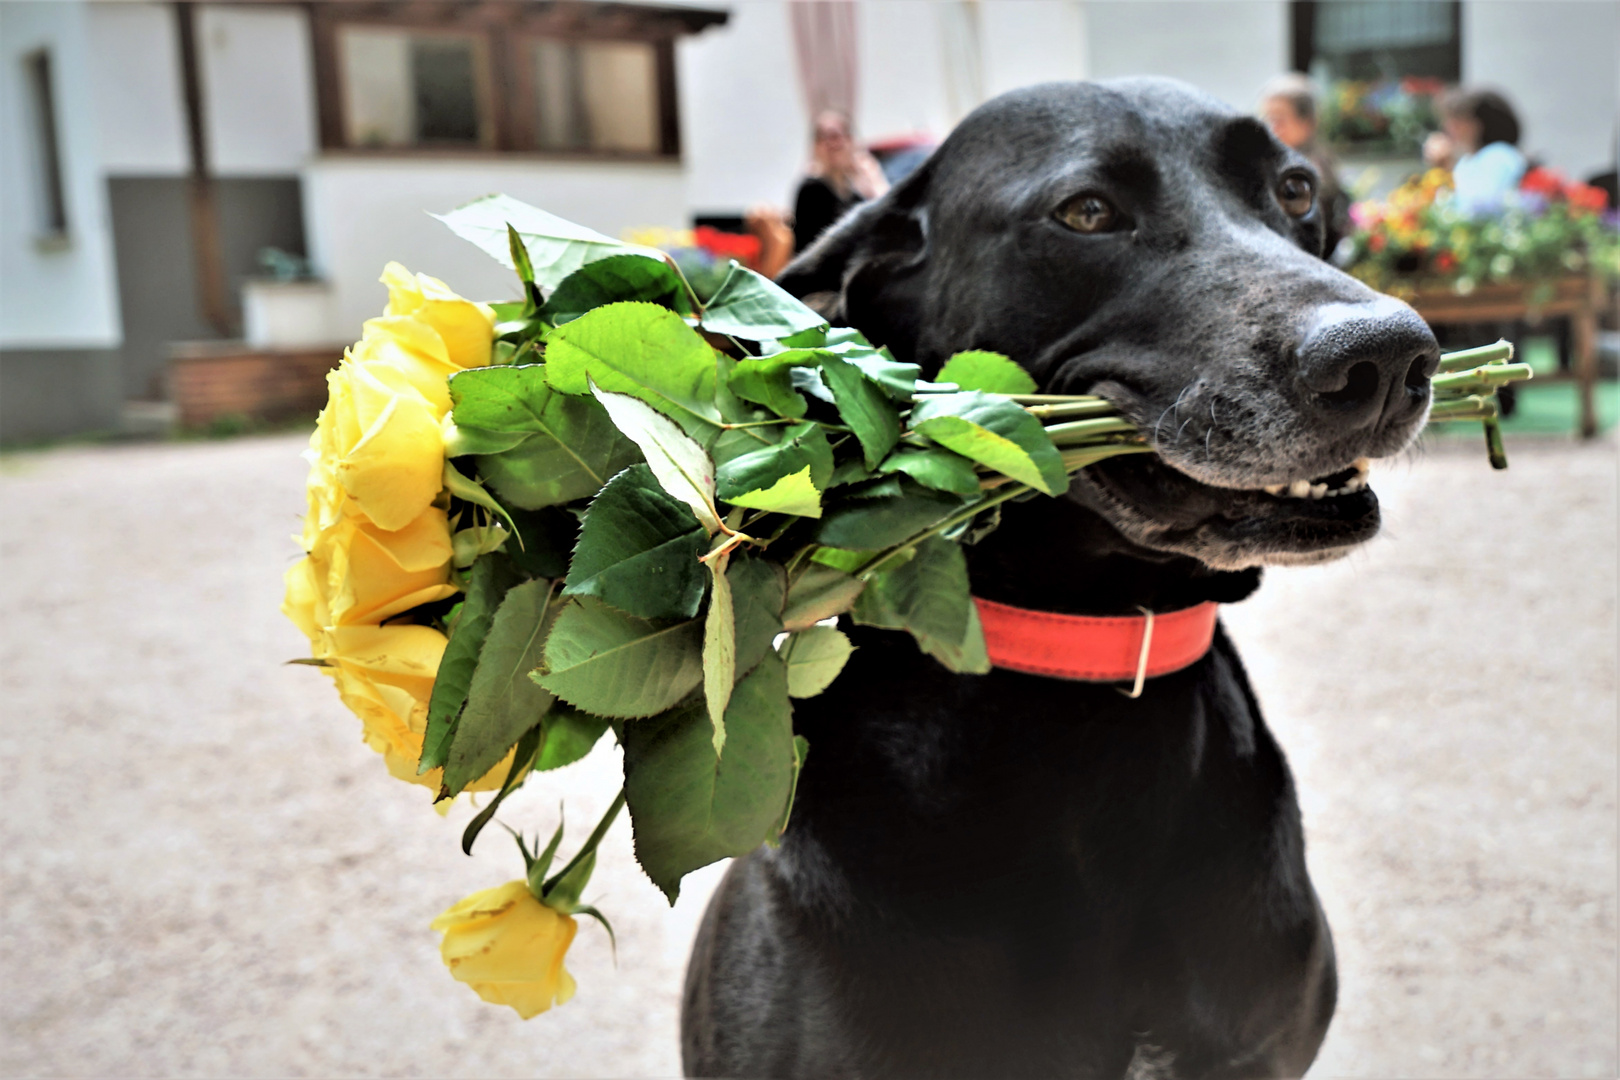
pixel 1480 144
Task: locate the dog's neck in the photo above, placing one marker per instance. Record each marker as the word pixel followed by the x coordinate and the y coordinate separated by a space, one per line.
pixel 1056 555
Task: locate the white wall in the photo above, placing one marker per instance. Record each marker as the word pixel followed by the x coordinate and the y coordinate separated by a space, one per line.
pixel 1228 48
pixel 52 295
pixel 743 128
pixel 260 83
pixel 258 86
pixel 1032 41
pixel 360 212
pixel 1559 63
pixel 901 81
pixel 140 115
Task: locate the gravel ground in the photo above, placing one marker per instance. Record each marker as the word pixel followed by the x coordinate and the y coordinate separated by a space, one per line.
pixel 208 874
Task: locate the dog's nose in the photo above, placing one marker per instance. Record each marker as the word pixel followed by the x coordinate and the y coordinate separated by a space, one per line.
pixel 1368 364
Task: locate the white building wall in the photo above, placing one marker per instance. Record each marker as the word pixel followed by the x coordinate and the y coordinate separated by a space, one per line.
pixel 1032 41
pixel 901 86
pixel 258 74
pixel 56 293
pixel 1228 48
pixel 743 128
pixel 361 212
pixel 1559 63
pixel 139 101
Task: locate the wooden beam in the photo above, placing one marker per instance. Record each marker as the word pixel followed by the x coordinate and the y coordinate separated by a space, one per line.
pixel 212 290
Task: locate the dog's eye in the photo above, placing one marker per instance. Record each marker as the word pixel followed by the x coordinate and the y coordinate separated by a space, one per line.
pixel 1296 195
pixel 1088 214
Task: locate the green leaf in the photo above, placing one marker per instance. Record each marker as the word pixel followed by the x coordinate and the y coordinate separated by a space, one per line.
pixel 801 750
pixel 570 735
pixel 871 524
pixel 793 494
pixel 928 597
pixel 935 467
pixel 784 477
pixel 556 448
pixel 898 380
pixel 865 408
pixel 639 349
pixel 752 306
pixel 758 587
pixel 690 806
pixel 545 537
pixel 840 559
pixel 681 466
pixel 814 657
pixel 616 665
pixel 491 576
pixel 556 247
pixel 522 757
pixel 994 432
pixel 768 381
pixel 615 279
pixel 719 652
pixel 502 701
pixel 638 550
pixel 988 371
pixel 820 592
pixel 525 272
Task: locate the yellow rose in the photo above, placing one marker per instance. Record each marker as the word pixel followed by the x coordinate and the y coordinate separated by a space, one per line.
pixel 384 674
pixel 467 329
pixel 509 948
pixel 382 442
pixel 412 348
pixel 304 603
pixel 366 574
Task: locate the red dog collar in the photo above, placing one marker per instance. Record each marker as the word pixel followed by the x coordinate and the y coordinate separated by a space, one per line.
pixel 1096 649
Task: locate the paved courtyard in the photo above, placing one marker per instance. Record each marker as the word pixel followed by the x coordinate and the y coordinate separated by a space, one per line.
pixel 207 874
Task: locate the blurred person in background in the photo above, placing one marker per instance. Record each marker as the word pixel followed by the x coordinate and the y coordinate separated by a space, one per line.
pixel 840 177
pixel 1288 106
pixel 1479 143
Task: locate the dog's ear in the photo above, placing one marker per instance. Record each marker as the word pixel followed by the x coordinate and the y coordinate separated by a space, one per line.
pixel 869 271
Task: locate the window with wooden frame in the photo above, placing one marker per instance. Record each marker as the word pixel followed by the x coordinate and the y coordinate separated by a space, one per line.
pixel 526 76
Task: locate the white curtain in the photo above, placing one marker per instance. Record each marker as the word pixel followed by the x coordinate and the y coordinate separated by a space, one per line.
pixel 824 43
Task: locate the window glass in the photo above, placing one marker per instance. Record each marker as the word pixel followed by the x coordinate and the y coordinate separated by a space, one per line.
pixel 595 96
pixel 413 89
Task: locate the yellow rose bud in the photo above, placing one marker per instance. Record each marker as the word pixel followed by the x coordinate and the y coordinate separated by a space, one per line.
pixel 371 574
pixel 509 948
pixel 384 443
pixel 467 328
pixel 384 674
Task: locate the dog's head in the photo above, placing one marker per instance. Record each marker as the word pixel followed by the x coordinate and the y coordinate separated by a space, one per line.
pixel 1142 241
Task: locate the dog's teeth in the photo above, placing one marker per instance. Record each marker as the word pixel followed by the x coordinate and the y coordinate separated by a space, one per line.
pixel 1362 465
pixel 1300 489
pixel 1318 490
pixel 1355 483
pixel 1275 489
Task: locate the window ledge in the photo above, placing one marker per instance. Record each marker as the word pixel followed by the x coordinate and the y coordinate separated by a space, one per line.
pixel 51 243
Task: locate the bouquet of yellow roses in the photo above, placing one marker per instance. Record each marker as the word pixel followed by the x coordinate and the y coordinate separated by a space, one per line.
pixel 613 505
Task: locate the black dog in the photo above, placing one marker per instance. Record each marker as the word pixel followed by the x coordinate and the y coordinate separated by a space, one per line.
pixel 1008 875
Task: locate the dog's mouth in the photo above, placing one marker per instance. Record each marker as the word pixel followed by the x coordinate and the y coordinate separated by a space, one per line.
pixel 1309 519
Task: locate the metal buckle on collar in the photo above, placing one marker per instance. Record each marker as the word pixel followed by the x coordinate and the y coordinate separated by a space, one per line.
pixel 1142 661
